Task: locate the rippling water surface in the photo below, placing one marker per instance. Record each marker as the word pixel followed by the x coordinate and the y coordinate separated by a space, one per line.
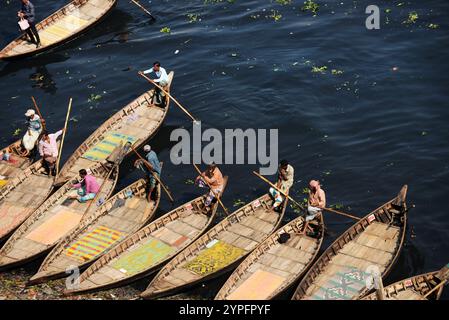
pixel 381 123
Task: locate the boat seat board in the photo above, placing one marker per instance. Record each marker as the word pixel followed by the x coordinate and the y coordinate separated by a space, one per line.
pixel 142 257
pixel 54 228
pixel 94 243
pixel 408 294
pixel 259 286
pixel 214 258
pixel 104 148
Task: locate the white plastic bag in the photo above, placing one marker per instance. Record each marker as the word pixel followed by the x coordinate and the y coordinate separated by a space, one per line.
pixel 23 23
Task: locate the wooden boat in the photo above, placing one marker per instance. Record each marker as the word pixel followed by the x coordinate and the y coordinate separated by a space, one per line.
pixel 220 249
pixel 374 242
pixel 136 123
pixel 145 251
pixel 54 219
pixel 16 164
pixel 428 286
pixel 60 27
pixel 276 263
pixel 21 196
pixel 123 214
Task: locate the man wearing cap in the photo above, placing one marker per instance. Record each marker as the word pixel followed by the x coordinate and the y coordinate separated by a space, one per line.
pixel 155 167
pixel 161 80
pixel 317 200
pixel 34 130
pixel 285 181
pixel 48 150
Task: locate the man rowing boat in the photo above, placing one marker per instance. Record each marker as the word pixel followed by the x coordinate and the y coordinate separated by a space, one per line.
pixel 212 177
pixel 34 130
pixel 27 13
pixel 285 181
pixel 155 168
pixel 317 200
pixel 48 150
pixel 161 80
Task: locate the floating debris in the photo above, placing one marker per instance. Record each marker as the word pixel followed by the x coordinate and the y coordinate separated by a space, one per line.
pixel 311 6
pixel 166 30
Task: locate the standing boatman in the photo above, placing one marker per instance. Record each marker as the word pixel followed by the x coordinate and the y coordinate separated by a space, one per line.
pixel 155 167
pixel 284 183
pixel 162 81
pixel 34 130
pixel 27 12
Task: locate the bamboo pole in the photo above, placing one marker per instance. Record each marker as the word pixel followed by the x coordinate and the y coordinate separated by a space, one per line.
pixel 300 205
pixel 379 287
pixel 442 283
pixel 142 7
pixel 63 137
pixel 169 95
pixel 213 192
pixel 39 113
pixel 154 175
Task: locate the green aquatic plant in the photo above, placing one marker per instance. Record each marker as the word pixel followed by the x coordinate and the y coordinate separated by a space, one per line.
pixel 284 2
pixel 412 18
pixel 166 30
pixel 239 203
pixel 193 17
pixel 275 15
pixel 432 26
pixel 337 206
pixel 17 132
pixel 321 69
pixel 310 5
pixel 336 71
pixel 94 98
pixel 189 182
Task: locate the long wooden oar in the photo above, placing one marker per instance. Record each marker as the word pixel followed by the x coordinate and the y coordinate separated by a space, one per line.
pixel 300 205
pixel 145 10
pixel 98 193
pixel 155 175
pixel 63 137
pixel 213 192
pixel 442 283
pixel 277 188
pixel 39 113
pixel 168 94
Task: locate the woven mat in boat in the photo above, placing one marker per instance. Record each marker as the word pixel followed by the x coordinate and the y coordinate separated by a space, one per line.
pixel 3 182
pixel 344 285
pixel 144 257
pixel 94 243
pixel 55 228
pixel 259 286
pixel 104 148
pixel 217 256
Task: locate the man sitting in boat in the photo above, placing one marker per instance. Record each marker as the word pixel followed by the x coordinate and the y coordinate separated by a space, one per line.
pixel 212 177
pixel 153 167
pixel 317 200
pixel 284 183
pixel 48 150
pixel 162 81
pixel 87 189
pixel 27 12
pixel 34 130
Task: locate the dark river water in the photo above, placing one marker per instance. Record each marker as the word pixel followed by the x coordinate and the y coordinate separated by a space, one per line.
pixel 378 121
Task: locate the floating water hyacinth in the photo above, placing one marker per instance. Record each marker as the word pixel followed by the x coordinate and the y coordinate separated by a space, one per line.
pixel 166 30
pixel 311 6
pixel 321 69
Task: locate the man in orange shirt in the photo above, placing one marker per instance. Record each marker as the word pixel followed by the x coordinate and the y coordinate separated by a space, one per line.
pixel 213 177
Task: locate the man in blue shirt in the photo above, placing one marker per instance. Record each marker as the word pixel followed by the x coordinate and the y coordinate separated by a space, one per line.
pixel 27 12
pixel 155 168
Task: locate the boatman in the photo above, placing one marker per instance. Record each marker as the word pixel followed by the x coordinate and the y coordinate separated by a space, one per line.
pixel 27 12
pixel 154 167
pixel 214 178
pixel 87 189
pixel 285 181
pixel 317 200
pixel 34 130
pixel 162 81
pixel 48 150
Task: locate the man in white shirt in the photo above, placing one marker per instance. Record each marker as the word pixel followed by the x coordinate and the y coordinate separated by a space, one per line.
pixel 48 150
pixel 162 80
